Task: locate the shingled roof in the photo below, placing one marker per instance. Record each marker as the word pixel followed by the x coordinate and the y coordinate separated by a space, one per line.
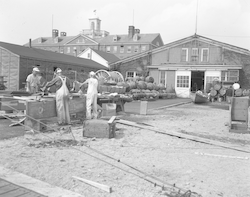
pixel 50 56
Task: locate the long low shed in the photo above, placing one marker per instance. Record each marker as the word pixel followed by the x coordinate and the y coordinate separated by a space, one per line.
pixel 16 63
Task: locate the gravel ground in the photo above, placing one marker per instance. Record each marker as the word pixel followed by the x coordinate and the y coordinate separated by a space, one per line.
pixel 206 169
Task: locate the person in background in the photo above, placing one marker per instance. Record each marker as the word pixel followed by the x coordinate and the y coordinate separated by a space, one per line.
pixel 33 81
pixel 91 96
pixel 62 84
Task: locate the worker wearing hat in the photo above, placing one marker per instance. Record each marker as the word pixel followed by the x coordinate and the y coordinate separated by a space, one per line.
pixel 62 84
pixel 33 81
pixel 91 95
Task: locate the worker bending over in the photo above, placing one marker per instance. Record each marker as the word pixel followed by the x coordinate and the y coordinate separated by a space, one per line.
pixel 91 95
pixel 62 84
pixel 33 81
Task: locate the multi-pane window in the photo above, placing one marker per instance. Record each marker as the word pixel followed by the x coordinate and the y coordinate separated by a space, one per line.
pixel 163 77
pixel 182 81
pixel 108 49
pixel 143 48
pixel 184 55
pixel 122 49
pixel 211 79
pixel 115 49
pixel 136 49
pixel 131 74
pixel 204 55
pixel 128 49
pixel 230 75
pixel 194 56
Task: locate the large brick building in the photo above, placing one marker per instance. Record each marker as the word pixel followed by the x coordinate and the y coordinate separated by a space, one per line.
pixel 120 45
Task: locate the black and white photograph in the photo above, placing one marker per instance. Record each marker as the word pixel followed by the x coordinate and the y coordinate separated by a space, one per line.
pixel 124 98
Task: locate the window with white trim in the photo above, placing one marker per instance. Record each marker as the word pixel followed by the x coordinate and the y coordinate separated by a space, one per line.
pixel 128 49
pixel 131 74
pixel 184 54
pixel 204 55
pixel 163 77
pixel 108 49
pixel 143 48
pixel 68 50
pixel 182 81
pixel 122 49
pixel 195 55
pixel 230 75
pixel 115 49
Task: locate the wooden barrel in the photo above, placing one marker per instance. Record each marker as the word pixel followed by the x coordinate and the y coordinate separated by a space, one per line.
pixel 246 92
pixel 217 86
pixel 222 91
pixel 213 92
pixel 238 92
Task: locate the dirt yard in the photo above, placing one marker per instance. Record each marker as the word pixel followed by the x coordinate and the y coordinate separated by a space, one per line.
pixel 205 169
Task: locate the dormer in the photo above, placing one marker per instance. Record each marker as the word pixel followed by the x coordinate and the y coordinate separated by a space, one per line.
pixel 40 40
pixel 56 40
pixel 115 38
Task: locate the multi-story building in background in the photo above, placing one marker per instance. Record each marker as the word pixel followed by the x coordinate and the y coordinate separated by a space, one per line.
pixel 120 45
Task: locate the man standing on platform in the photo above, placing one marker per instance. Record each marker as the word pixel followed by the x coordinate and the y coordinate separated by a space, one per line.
pixel 33 81
pixel 91 96
pixel 62 84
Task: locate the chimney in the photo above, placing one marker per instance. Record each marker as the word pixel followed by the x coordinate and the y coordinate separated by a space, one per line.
pixel 54 33
pixel 29 43
pixel 63 34
pixel 131 31
pixel 137 31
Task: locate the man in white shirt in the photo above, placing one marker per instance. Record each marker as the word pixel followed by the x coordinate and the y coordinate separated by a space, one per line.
pixel 33 81
pixel 91 95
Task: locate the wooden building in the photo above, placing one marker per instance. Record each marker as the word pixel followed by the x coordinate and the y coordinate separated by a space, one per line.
pixel 190 64
pixel 16 63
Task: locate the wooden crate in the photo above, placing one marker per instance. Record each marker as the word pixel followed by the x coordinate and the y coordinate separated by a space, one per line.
pixel 239 121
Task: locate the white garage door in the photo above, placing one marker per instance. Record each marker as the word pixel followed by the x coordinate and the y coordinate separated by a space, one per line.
pixel 183 83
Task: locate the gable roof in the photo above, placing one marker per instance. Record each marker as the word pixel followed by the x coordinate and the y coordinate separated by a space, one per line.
pixel 50 56
pixel 107 56
pixel 182 41
pixel 81 35
pixel 50 41
pixel 143 38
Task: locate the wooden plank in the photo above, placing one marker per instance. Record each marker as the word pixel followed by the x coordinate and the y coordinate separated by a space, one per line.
pixel 16 193
pixel 95 184
pixel 112 119
pixel 38 186
pixel 185 136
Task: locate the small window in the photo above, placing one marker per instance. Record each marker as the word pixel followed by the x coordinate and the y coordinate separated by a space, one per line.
pixel 194 56
pixel 163 77
pixel 184 55
pixel 204 55
pixel 129 49
pixel 122 49
pixel 68 50
pixel 131 74
pixel 143 48
pixel 230 75
pixel 136 49
pixel 115 49
pixel 182 81
pixel 108 49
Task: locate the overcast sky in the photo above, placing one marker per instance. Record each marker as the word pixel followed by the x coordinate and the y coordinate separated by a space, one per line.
pixel 223 20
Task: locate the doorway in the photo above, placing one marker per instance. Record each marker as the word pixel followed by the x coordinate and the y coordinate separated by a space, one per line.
pixel 197 81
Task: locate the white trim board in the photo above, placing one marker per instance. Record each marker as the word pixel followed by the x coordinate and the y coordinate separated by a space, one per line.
pixel 35 184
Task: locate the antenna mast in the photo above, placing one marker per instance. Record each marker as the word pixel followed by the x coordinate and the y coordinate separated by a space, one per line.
pixel 52 21
pixel 196 17
pixel 133 17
